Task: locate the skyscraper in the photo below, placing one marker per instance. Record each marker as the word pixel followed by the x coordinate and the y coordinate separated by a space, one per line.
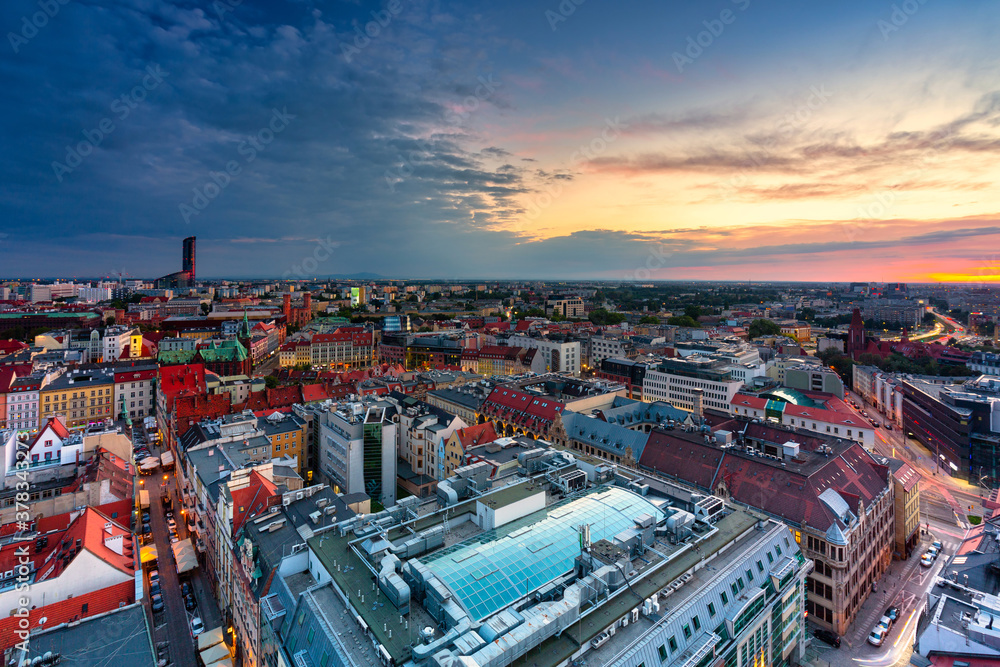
pixel 188 257
pixel 185 277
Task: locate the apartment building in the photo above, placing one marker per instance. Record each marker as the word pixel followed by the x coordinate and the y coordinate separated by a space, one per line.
pixel 553 356
pixel 570 307
pixel 80 397
pixel 357 448
pixel 678 381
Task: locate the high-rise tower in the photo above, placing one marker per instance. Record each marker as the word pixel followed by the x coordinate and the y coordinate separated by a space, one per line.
pixel 188 257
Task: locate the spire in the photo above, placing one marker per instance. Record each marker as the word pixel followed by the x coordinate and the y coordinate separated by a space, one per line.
pixel 245 326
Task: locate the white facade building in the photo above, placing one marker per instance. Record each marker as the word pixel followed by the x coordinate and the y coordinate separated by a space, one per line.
pixel 553 356
pixel 675 381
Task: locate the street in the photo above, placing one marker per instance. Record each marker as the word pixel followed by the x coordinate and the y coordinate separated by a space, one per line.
pixel 172 626
pixel 905 585
pixel 944 504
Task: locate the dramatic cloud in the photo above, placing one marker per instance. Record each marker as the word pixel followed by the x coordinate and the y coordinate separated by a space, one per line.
pixel 437 138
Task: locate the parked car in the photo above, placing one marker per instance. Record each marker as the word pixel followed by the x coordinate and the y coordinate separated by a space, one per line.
pixel 157 601
pixel 926 560
pixel 185 589
pixel 154 576
pixel 892 613
pixel 877 636
pixel 174 539
pixel 197 627
pixel 190 603
pixel 933 551
pixel 884 622
pixel 171 524
pixel 937 545
pixel 829 637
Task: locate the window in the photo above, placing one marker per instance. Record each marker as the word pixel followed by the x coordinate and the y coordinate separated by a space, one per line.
pixel 687 631
pixel 310 635
pixel 673 644
pixel 663 652
pixel 711 609
pixel 749 574
pixel 770 558
pixel 735 589
pixel 725 599
pixel 697 623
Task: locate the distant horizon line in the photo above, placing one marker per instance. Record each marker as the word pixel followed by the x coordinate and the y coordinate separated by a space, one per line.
pixel 377 277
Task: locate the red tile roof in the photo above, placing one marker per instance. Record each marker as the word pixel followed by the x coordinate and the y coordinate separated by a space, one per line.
pixel 520 408
pixel 480 434
pixel 788 493
pixel 693 462
pixel 65 611
pixel 251 500
pixel 906 476
pixel 9 346
pixel 314 392
pixel 181 380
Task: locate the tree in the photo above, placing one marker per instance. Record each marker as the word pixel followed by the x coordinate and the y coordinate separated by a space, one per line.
pixel 603 317
pixel 693 311
pixel 270 382
pixel 649 319
pixel 205 308
pixel 761 327
pixel 111 321
pixel 684 321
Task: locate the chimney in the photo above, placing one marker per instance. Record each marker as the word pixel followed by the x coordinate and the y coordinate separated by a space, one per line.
pixel 697 398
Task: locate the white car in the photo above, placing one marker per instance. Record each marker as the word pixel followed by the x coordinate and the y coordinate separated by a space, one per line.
pixel 927 560
pixel 877 636
pixel 197 627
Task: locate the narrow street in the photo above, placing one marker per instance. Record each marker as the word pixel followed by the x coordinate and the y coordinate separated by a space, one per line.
pixel 173 625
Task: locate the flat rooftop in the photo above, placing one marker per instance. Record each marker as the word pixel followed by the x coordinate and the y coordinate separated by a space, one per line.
pixel 556 649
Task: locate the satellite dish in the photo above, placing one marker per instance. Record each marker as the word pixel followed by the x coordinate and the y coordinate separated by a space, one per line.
pixel 42 620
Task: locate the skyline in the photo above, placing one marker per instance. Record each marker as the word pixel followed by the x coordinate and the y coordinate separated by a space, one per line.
pixel 467 141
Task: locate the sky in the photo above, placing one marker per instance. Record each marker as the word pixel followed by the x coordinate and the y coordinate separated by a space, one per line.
pixel 677 139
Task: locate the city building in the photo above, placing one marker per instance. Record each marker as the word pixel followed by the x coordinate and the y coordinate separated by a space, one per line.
pixel 837 498
pixel 287 434
pixel 80 397
pixel 423 432
pixel 135 390
pixel 569 307
pixel 809 377
pixel 358 449
pixel 628 372
pixel 460 443
pixel 690 380
pixel 825 415
pixel 605 347
pixel 85 559
pixel 265 546
pixel 959 621
pixel 958 424
pixel 553 356
pixel 185 278
pixel 906 495
pixel 22 403
pixel 462 400
pixel 568 578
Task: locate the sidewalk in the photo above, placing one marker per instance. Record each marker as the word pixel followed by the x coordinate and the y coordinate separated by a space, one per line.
pixel 890 587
